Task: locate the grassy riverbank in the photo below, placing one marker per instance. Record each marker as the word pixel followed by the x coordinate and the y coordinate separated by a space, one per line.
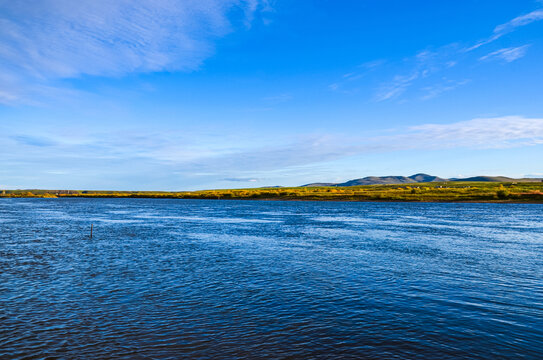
pixel 531 192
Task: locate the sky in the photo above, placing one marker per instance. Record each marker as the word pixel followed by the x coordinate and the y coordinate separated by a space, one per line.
pixel 201 94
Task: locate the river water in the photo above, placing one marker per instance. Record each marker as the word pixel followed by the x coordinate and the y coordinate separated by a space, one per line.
pixel 227 279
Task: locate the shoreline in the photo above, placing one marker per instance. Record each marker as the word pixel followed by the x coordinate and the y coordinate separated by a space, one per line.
pixel 444 201
pixel 435 192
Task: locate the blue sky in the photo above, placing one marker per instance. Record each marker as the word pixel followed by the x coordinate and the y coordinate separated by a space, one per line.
pixel 196 94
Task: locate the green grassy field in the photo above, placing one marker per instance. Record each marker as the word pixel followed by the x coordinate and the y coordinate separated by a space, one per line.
pixel 530 192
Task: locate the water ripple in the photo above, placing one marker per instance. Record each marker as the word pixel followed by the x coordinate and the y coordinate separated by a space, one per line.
pixel 241 279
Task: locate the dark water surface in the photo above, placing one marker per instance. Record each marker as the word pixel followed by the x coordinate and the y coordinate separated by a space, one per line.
pixel 256 279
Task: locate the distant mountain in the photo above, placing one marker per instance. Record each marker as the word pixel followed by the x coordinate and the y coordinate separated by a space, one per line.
pixel 374 180
pixel 319 184
pixel 418 178
pixel 486 179
pixel 383 180
pixel 497 179
pixel 426 178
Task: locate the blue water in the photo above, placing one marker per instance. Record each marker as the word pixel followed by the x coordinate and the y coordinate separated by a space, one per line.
pixel 257 279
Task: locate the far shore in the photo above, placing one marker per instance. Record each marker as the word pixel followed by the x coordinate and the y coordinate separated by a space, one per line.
pixel 452 192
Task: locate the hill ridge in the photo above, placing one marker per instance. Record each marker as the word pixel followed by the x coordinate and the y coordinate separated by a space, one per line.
pixel 418 178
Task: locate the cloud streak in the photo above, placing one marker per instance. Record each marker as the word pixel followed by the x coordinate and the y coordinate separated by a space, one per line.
pixel 507 54
pixel 519 21
pixel 398 86
pixel 58 39
pixel 483 133
pixel 240 179
pixel 510 26
pixel 436 90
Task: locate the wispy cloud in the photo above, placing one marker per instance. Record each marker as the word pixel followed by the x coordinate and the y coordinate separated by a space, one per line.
pixel 358 73
pixel 398 86
pixel 241 179
pixel 510 26
pixel 56 39
pixel 438 89
pixel 162 155
pixel 422 66
pixel 508 54
pixel 484 133
pixel 7 97
pixel 522 20
pixel 481 133
pixel 421 69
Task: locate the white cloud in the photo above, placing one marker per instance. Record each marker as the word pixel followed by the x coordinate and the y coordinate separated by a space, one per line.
pixel 55 39
pixel 508 54
pixel 191 153
pixel 486 133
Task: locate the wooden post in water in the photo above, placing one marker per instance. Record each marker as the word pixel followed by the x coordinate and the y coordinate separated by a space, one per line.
pixel 91 232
